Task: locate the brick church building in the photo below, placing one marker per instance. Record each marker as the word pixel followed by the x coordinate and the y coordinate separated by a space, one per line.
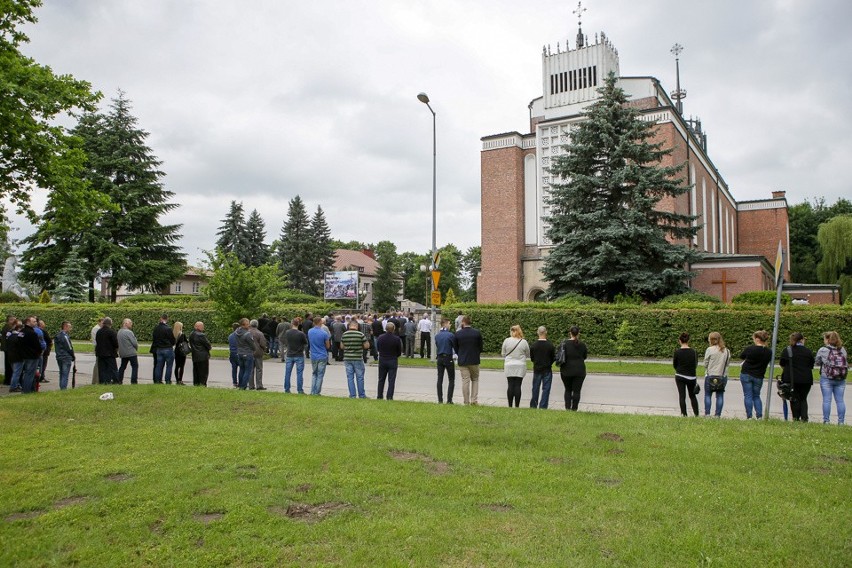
pixel 740 238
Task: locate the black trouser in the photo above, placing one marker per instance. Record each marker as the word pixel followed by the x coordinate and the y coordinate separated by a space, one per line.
pixel 426 340
pixel 799 402
pixel 514 390
pixel 387 370
pixel 200 371
pixel 180 365
pixel 134 369
pixel 445 362
pixel 107 370
pixel 7 372
pixel 684 387
pixel 573 386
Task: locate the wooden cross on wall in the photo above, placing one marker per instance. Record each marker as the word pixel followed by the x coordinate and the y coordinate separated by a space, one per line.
pixel 724 282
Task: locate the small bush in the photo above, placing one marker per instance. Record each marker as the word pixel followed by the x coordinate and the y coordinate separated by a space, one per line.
pixel 157 299
pixel 10 298
pixel 625 300
pixel 689 298
pixel 761 298
pixel 289 296
pixel 575 299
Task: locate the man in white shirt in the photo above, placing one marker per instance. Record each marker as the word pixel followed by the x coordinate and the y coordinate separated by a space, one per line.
pixel 425 327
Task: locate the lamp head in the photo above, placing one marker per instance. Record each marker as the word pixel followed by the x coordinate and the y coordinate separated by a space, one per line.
pixel 423 98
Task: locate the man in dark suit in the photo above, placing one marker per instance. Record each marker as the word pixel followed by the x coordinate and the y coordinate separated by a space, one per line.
pixel 468 345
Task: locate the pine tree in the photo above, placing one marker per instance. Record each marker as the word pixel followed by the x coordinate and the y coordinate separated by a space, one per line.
pixel 257 252
pixel 609 237
pixel 71 280
pixel 386 286
pixel 233 233
pixel 321 257
pixel 295 246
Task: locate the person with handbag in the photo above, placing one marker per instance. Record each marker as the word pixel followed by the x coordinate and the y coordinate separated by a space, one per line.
pixel 756 359
pixel 572 370
pixel 716 359
pixel 685 363
pixel 515 352
pixel 797 363
pixel 182 349
pixel 833 368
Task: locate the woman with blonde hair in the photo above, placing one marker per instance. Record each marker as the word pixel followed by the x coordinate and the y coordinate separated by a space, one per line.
pixel 515 352
pixel 180 355
pixel 833 368
pixel 716 359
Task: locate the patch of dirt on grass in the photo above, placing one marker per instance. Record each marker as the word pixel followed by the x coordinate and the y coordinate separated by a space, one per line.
pixel 616 451
pixel 199 543
pixel 608 481
pixel 69 502
pixel 246 471
pixel 24 515
pixel 836 459
pixel 310 513
pixel 208 517
pixel 433 466
pixel 498 507
pixel 118 477
pixel 611 437
pixel 304 488
pixel 156 527
pixel 558 461
pixel 822 470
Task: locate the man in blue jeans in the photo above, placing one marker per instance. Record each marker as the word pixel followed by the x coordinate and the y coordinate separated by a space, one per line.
pixel 542 354
pixel 64 351
pixel 319 341
pixel 353 343
pixel 30 350
pixel 163 346
pixel 245 352
pixel 294 343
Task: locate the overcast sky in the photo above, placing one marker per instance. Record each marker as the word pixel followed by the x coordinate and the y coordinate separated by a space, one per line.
pixel 259 101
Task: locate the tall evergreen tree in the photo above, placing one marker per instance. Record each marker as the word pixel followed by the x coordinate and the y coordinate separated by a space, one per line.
pixel 295 246
pixel 257 252
pixel 387 284
pixel 449 269
pixel 233 236
pixel 321 258
pixel 127 243
pixel 71 280
pixel 609 236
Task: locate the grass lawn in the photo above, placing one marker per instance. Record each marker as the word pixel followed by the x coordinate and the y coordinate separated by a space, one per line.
pixel 215 477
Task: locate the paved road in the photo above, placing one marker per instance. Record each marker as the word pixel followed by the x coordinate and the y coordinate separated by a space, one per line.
pixel 601 393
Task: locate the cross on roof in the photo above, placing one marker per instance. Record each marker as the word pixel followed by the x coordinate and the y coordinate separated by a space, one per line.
pixel 579 11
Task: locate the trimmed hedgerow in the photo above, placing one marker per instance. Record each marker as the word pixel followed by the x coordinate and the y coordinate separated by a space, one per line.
pixel 691 297
pixel 656 330
pixel 761 298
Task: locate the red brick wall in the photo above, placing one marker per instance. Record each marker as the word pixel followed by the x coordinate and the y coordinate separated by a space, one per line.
pixel 747 280
pixel 502 225
pixel 760 231
pixel 817 297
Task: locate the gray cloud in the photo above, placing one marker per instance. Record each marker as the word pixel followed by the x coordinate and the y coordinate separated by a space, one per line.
pixel 261 101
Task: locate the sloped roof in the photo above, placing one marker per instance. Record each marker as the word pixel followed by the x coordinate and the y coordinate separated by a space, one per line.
pixel 344 259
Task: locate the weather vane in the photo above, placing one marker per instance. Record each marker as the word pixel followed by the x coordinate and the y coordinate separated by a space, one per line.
pixel 676 50
pixel 678 94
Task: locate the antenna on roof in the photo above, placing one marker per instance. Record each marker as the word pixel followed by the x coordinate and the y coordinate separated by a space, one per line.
pixel 678 94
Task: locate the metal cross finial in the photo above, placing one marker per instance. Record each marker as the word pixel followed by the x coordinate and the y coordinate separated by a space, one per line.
pixel 579 11
pixel 676 50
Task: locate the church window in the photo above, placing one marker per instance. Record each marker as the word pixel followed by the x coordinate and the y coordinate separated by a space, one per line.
pixel 594 69
pixel 552 83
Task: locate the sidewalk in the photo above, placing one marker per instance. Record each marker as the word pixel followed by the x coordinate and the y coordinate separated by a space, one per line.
pixel 601 393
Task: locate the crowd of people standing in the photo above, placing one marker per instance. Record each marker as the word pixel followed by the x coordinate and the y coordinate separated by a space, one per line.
pixel 353 339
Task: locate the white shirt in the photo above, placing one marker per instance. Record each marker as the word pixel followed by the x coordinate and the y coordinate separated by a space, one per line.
pixel 425 325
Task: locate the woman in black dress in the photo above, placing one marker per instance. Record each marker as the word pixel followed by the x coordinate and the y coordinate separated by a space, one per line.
pixel 573 370
pixel 180 356
pixel 797 362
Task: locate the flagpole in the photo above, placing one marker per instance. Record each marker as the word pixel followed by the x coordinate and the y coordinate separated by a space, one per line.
pixel 779 285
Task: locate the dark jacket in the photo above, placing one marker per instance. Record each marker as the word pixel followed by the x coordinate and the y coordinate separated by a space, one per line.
pixel 800 367
pixel 575 359
pixel 755 360
pixel 389 346
pixel 542 353
pixel 468 344
pixel 29 345
pixel 200 346
pixel 178 340
pixel 245 342
pixel 13 346
pixel 162 338
pixel 63 348
pixel 106 342
pixel 685 362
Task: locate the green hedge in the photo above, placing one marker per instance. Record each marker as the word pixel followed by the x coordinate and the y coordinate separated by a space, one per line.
pixel 655 330
pixel 144 315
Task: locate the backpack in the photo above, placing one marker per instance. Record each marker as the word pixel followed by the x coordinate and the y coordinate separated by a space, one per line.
pixel 835 366
pixel 560 355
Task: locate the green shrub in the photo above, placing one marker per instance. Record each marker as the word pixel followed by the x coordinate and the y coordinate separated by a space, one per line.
pixel 575 299
pixel 10 298
pixel 171 299
pixel 691 297
pixel 290 296
pixel 632 300
pixel 761 298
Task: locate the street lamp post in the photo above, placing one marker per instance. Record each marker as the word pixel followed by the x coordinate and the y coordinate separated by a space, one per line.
pixel 424 98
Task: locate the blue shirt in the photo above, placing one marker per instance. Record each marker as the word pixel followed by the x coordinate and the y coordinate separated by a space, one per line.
pixel 232 344
pixel 444 342
pixel 317 337
pixel 41 340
